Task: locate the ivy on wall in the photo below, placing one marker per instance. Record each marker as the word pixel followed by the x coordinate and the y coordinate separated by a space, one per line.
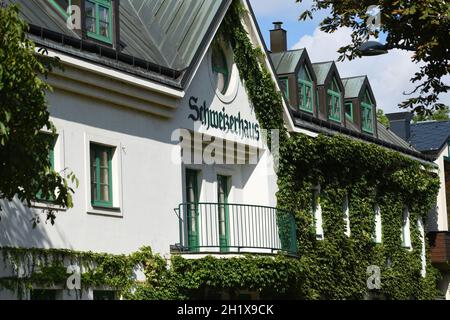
pixel 333 268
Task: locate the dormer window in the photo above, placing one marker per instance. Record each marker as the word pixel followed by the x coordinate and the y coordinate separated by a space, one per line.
pixel 98 20
pixel 334 102
pixel 220 68
pixel 305 90
pixel 367 113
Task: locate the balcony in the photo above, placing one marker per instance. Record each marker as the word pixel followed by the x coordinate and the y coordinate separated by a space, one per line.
pixel 213 228
pixel 440 249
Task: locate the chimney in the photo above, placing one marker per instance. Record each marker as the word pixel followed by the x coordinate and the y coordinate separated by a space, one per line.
pixel 400 124
pixel 278 38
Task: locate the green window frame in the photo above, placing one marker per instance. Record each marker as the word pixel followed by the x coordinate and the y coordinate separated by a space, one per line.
pixel 220 66
pixel 51 157
pixel 285 86
pixel 60 9
pixel 99 26
pixel 43 294
pixel 334 103
pixel 101 175
pixel 305 90
pixel 349 111
pixel 367 114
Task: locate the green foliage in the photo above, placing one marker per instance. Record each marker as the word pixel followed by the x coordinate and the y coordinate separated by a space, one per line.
pixel 381 117
pixel 417 26
pixel 25 167
pixel 436 115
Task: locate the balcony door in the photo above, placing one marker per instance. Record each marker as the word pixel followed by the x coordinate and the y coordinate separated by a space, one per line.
pixel 223 212
pixel 192 198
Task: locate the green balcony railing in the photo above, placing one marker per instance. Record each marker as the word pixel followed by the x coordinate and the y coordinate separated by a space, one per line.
pixel 235 228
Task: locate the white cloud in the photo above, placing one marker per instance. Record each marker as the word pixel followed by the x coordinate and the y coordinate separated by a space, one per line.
pixel 388 74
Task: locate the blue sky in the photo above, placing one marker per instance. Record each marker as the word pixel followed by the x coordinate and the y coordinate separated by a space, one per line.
pixel 389 74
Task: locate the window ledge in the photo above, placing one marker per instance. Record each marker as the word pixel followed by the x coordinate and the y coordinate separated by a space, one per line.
pixel 105 211
pixel 47 206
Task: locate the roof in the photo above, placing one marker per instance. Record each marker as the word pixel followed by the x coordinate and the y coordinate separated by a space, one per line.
pixel 322 69
pixel 286 62
pixel 166 33
pixel 430 136
pixel 353 86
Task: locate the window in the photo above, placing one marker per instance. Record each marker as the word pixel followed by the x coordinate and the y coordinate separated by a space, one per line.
pixel 98 19
pixel 349 111
pixel 378 236
pixel 406 232
pixel 51 157
pixel 334 101
pixel 101 175
pixel 42 294
pixel 317 214
pixel 423 257
pixel 220 68
pixel 104 295
pixel 61 6
pixel 192 198
pixel 284 83
pixel 367 114
pixel 305 90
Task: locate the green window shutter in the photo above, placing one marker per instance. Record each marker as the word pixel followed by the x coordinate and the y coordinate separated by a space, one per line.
pixel 98 20
pixel 101 176
pixel 51 158
pixel 305 90
pixel 334 104
pixel 223 212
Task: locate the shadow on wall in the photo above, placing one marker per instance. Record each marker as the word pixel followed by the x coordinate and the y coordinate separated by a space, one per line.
pixel 16 227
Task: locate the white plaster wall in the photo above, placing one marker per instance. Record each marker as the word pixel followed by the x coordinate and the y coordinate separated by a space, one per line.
pixel 437 220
